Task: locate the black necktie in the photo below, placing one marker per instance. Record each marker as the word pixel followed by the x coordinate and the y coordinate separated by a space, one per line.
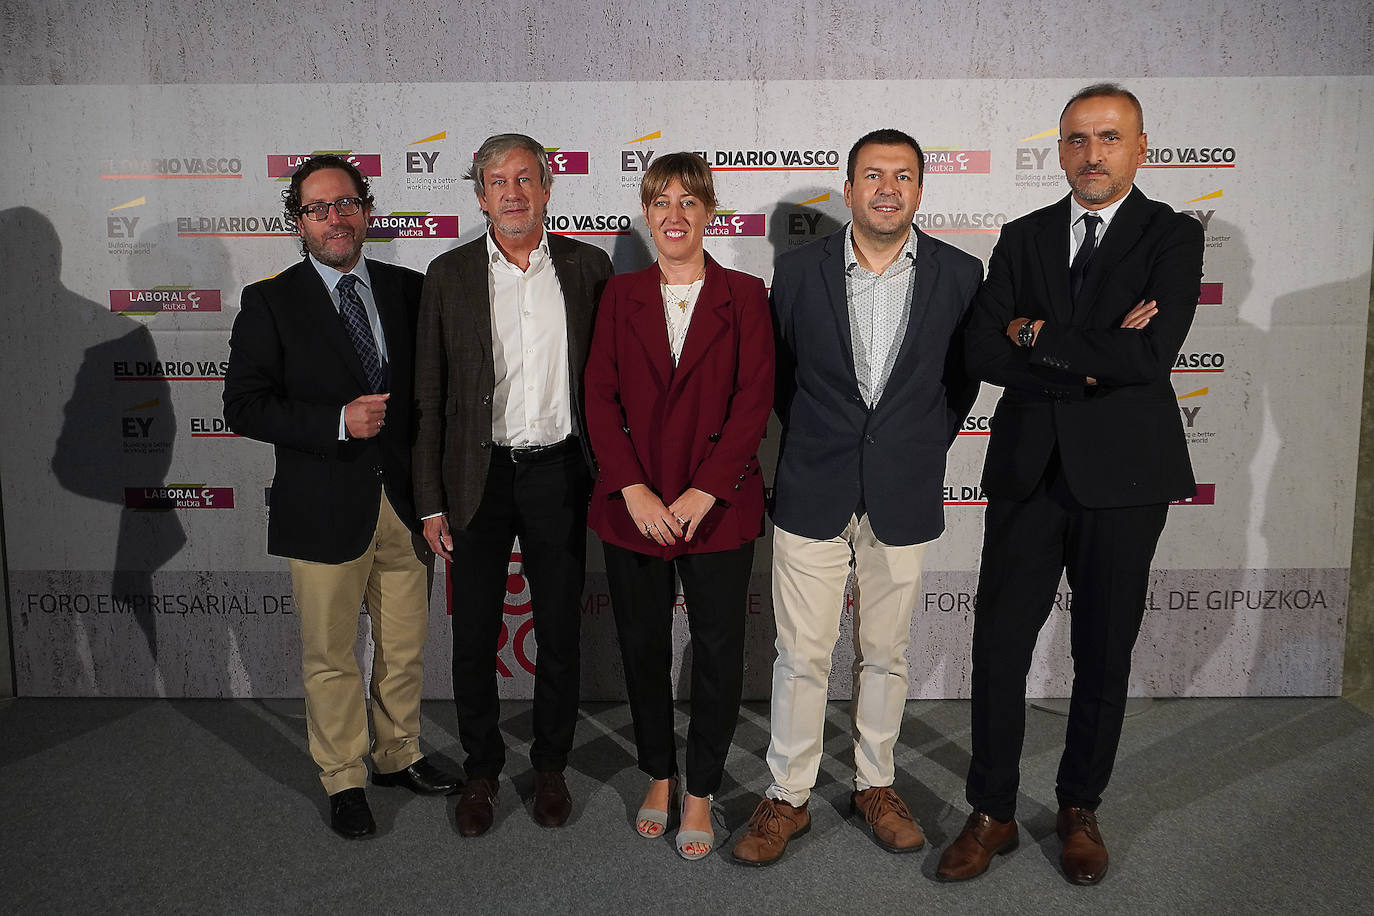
pixel 1079 268
pixel 354 316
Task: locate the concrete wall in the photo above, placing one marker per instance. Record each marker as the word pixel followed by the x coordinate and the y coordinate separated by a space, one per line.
pixel 145 41
pixel 138 42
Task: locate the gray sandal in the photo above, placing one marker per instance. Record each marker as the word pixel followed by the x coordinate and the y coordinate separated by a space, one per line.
pixel 686 838
pixel 654 815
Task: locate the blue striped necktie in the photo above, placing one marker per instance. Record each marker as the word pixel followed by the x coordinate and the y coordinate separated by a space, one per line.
pixel 359 330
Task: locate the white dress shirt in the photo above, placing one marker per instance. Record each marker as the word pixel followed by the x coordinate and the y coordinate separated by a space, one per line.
pixel 1077 231
pixel 532 402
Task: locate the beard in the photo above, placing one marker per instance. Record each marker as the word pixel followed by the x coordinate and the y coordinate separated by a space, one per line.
pixel 335 257
pixel 510 224
pixel 1103 191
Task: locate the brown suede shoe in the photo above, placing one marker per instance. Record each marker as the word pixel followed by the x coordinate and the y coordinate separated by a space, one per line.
pixel 982 838
pixel 552 800
pixel 1085 855
pixel 772 824
pixel 476 807
pixel 891 823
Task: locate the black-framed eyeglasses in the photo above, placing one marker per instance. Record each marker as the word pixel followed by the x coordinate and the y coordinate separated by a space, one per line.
pixel 346 206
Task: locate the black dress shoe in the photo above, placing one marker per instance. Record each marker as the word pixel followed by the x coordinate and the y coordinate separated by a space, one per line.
pixel 476 807
pixel 552 801
pixel 349 814
pixel 421 777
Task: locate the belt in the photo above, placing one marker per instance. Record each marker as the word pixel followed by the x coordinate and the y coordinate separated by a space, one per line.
pixel 529 454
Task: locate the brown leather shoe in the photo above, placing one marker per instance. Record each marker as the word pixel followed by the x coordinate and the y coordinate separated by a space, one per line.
pixel 772 824
pixel 891 823
pixel 1085 855
pixel 476 807
pixel 982 838
pixel 552 801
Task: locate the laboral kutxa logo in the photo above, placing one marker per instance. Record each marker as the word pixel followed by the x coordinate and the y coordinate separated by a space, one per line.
pixel 567 161
pixel 940 160
pixel 282 166
pixel 179 496
pixel 728 222
pixel 164 299
pixel 411 224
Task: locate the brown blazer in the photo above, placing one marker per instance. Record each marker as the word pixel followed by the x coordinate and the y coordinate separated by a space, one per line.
pixel 454 375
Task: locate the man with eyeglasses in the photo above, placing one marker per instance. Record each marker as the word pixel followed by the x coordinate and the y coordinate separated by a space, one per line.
pixel 320 366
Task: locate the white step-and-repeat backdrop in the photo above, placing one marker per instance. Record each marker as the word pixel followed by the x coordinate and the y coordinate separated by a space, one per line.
pixel 133 216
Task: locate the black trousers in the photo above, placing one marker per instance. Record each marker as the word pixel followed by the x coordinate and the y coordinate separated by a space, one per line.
pixel 1106 554
pixel 716 588
pixel 544 503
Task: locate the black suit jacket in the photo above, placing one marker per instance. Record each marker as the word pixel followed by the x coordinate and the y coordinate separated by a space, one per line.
pixel 832 443
pixel 1121 441
pixel 454 373
pixel 292 368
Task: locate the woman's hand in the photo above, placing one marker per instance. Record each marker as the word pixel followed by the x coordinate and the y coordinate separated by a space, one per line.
pixel 652 518
pixel 689 509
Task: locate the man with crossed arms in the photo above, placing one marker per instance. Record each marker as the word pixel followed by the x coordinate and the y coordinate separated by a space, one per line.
pixel 1085 307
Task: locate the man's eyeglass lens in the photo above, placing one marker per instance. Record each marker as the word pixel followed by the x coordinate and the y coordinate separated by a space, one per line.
pixel 346 206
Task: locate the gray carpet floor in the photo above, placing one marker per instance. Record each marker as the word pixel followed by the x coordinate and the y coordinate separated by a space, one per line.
pixel 201 806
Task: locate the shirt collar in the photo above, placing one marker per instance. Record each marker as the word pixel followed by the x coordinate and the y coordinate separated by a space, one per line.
pixel 851 261
pixel 540 253
pixel 1076 211
pixel 330 276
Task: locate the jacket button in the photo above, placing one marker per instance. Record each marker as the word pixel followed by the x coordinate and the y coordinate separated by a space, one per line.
pixel 714 437
pixel 741 477
pixel 868 439
pixel 736 486
pixel 625 430
pixel 486 399
pixel 485 443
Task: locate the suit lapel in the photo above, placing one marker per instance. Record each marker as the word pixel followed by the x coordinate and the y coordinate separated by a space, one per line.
pixel 644 315
pixel 1052 246
pixel 1125 229
pixel 709 321
pixel 832 273
pixel 927 275
pixel 474 308
pixel 318 309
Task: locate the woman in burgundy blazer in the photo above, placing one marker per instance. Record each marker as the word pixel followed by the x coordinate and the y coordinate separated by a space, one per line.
pixel 679 384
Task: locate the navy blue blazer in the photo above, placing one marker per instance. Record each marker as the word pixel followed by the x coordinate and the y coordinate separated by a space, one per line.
pixel 292 368
pixel 835 449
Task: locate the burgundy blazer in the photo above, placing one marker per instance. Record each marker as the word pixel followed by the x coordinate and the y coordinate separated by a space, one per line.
pixel 698 425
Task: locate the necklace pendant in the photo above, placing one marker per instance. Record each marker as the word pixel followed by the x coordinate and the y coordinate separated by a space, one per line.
pixel 682 305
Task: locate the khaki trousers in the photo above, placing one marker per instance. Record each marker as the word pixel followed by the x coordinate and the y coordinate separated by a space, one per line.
pixel 808 600
pixel 395 585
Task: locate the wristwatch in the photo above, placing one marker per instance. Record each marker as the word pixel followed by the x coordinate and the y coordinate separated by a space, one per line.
pixel 1025 335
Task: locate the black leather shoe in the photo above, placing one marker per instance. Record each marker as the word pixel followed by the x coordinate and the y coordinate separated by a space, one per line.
pixel 349 814
pixel 552 801
pixel 421 777
pixel 476 807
